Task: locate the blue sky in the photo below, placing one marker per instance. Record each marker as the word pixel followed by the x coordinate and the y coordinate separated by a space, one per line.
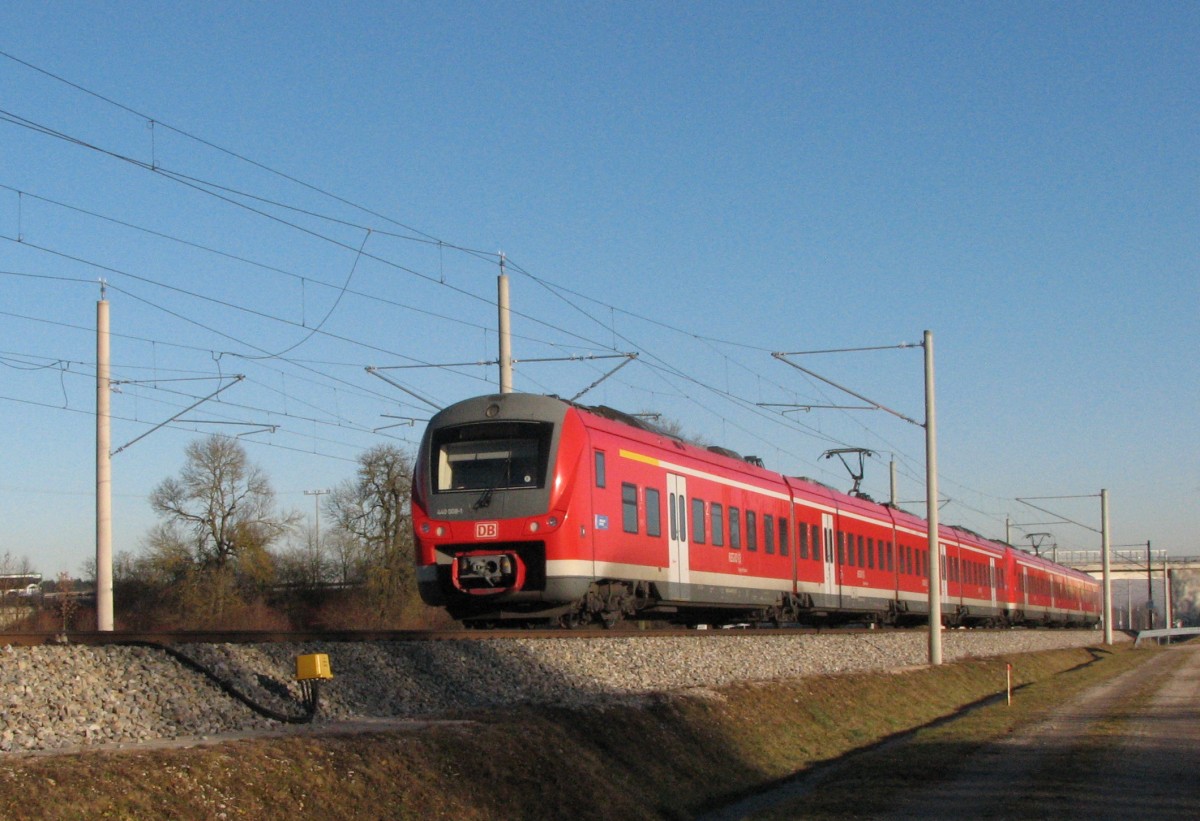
pixel 700 183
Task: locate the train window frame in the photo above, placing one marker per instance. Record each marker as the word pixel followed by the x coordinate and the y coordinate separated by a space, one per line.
pixel 841 547
pixel 629 507
pixel 601 469
pixel 698 534
pixel 735 528
pixel 870 553
pixel 784 536
pixel 751 531
pixel 683 527
pixel 818 544
pixel 850 550
pixel 653 512
pixel 490 456
pixel 717 515
pixel 768 534
pixel 802 539
pixel 861 562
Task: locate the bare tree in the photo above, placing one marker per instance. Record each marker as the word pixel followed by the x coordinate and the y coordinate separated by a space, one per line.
pixel 220 510
pixel 305 563
pixel 347 557
pixel 11 565
pixel 374 510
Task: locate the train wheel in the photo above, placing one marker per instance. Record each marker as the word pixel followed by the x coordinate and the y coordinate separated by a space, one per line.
pixel 572 621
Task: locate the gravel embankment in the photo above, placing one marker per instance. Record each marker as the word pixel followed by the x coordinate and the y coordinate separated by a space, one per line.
pixel 55 697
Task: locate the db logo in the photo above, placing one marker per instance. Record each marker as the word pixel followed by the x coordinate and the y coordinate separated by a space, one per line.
pixel 487 530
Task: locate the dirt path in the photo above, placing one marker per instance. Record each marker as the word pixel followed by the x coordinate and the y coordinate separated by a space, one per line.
pixel 1104 755
pixel 1129 748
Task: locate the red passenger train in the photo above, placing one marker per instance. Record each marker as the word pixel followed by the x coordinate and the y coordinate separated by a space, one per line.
pixel 533 509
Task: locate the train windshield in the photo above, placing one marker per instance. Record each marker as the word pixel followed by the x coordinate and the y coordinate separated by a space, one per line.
pixel 491 456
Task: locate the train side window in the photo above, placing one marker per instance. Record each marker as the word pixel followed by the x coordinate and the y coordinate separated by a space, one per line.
pixel 735 529
pixel 600 477
pixel 850 549
pixel 841 541
pixel 815 541
pixel 629 511
pixel 718 524
pixel 803 534
pixel 653 512
pixel 698 521
pixel 870 553
pixel 861 563
pixel 769 533
pixel 783 536
pixel 751 530
pixel 886 547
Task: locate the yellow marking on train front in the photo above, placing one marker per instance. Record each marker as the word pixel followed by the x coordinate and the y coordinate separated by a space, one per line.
pixel 638 457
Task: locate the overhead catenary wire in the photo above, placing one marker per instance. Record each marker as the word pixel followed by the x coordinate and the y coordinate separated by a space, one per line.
pixel 653 361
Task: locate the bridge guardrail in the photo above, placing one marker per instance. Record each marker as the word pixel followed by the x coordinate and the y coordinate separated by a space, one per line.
pixel 1159 635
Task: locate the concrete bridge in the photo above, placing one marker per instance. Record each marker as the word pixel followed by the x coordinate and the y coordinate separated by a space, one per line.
pixel 1140 578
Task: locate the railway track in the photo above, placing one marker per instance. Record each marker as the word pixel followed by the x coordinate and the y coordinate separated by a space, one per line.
pixel 171 638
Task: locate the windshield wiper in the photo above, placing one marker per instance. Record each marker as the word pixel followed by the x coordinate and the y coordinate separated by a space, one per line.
pixel 484 499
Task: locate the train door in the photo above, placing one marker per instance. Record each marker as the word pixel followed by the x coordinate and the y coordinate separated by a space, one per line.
pixel 992 578
pixel 794 547
pixel 830 587
pixel 678 574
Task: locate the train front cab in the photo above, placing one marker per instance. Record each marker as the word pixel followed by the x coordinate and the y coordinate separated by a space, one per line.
pixel 498 527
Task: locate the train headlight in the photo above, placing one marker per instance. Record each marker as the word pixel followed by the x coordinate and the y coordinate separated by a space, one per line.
pixel 441 531
pixel 533 527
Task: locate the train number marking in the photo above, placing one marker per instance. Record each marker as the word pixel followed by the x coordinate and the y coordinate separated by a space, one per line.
pixel 487 530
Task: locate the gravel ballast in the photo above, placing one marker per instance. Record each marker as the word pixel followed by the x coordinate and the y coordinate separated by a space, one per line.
pixel 58 697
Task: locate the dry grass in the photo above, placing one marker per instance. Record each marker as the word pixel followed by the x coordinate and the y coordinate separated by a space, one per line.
pixel 667 757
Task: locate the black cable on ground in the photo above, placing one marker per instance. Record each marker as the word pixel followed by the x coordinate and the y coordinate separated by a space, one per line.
pixel 309 689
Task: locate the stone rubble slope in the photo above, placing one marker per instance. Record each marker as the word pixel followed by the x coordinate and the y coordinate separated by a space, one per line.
pixel 55 697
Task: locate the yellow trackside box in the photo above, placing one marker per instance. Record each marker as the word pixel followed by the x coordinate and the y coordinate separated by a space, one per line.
pixel 312 666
